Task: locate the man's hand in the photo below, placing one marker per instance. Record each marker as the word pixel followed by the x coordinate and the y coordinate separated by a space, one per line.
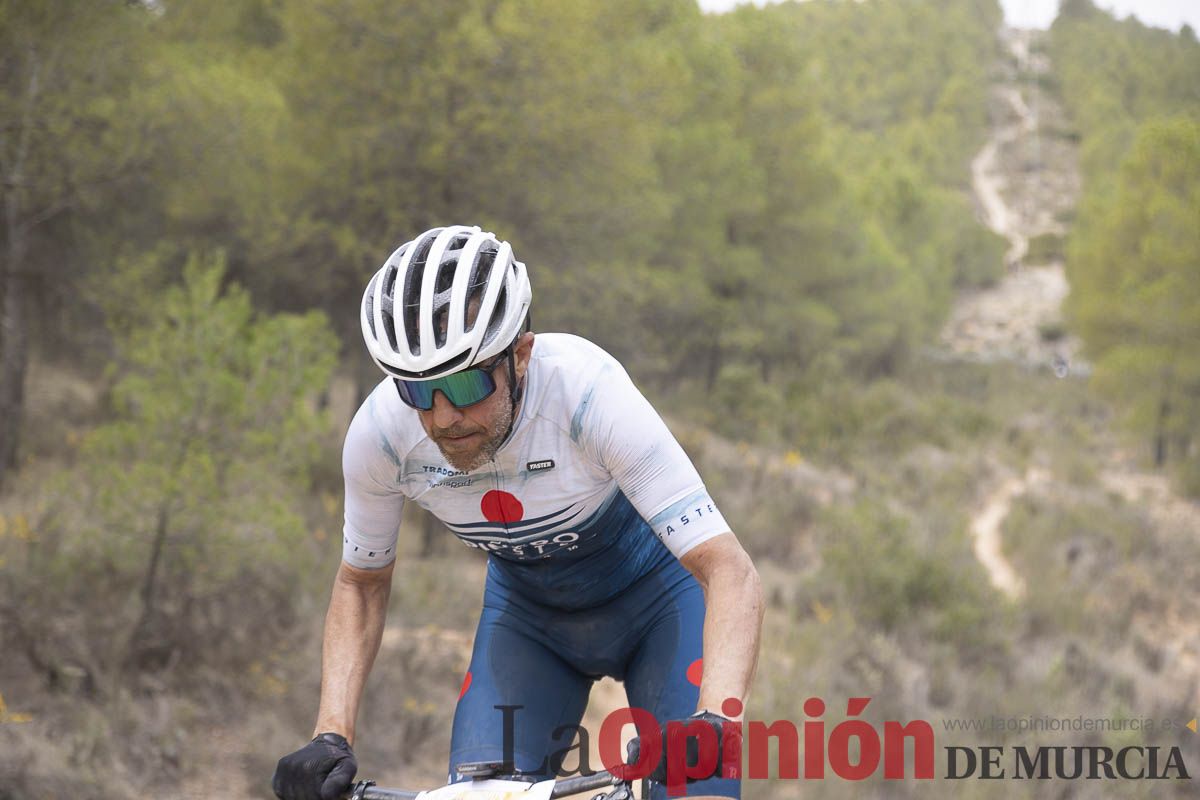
pixel 690 749
pixel 321 770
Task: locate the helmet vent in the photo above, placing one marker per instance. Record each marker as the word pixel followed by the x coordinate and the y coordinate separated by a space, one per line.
pixel 441 303
pixel 498 316
pixel 386 302
pixel 389 277
pixel 410 319
pixel 369 305
pixel 477 284
pixel 451 364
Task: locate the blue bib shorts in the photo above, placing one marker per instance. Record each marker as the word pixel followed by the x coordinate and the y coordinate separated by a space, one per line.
pixel 540 662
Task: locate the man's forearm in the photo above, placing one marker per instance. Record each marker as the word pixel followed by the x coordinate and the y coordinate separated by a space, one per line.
pixel 732 629
pixel 353 630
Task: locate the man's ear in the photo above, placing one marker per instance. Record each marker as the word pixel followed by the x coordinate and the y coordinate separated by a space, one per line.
pixel 522 352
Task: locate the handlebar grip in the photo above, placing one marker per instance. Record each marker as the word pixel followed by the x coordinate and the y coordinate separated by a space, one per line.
pixel 583 783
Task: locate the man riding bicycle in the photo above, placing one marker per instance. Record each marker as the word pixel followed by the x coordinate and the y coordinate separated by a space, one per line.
pixel 604 547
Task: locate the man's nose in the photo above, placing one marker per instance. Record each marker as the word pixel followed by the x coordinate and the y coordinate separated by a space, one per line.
pixel 445 413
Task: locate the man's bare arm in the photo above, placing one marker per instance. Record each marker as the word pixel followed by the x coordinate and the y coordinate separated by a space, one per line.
pixel 732 621
pixel 353 630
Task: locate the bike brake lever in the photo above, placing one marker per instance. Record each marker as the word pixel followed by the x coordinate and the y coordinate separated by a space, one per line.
pixel 360 790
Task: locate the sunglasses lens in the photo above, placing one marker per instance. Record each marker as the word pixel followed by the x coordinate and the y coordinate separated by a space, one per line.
pixel 469 387
pixel 418 394
pixel 461 389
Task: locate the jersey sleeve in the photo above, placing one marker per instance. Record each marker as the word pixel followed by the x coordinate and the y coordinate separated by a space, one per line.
pixel 373 500
pixel 619 428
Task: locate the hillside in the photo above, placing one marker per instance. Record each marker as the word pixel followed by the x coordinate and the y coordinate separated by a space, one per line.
pixel 846 289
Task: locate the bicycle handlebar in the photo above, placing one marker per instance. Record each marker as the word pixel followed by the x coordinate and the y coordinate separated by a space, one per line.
pixel 584 783
pixel 367 790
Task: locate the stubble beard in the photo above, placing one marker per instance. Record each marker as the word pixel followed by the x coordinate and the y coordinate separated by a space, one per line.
pixel 498 426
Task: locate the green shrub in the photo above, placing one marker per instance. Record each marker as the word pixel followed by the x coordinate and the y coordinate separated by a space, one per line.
pixel 1046 247
pixel 889 580
pixel 176 540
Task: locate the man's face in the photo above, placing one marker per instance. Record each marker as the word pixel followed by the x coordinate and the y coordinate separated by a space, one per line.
pixel 469 437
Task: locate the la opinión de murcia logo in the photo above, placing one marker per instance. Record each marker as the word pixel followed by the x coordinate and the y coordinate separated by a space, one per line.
pixel 1066 763
pixel 828 749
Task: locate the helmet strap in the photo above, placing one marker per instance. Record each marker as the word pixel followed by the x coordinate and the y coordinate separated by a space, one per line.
pixel 515 390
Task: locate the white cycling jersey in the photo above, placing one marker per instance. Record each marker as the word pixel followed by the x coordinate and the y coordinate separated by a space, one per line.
pixel 577 503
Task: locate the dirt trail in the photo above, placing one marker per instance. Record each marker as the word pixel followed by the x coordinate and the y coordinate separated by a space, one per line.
pixel 985 528
pixel 987 175
pixel 1025 183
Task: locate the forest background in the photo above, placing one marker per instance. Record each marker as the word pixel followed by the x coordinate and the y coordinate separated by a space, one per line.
pixel 767 215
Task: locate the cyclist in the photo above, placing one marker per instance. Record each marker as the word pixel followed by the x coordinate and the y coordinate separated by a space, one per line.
pixel 603 543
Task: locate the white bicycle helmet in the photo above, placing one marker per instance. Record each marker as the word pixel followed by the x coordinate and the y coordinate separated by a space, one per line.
pixel 415 309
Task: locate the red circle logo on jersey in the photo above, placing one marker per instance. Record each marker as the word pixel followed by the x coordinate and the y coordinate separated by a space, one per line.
pixel 498 506
pixel 695 671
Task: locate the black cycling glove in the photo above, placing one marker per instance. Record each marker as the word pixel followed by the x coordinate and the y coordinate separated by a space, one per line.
pixel 693 747
pixel 321 770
